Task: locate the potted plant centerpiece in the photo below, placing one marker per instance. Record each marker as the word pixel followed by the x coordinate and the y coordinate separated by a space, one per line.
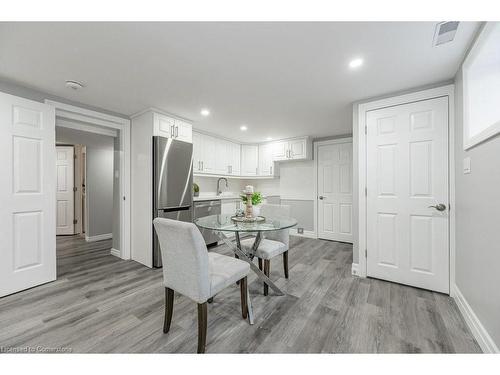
pixel 256 202
pixel 196 189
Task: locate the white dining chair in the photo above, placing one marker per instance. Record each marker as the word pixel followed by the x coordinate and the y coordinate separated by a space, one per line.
pixel 189 269
pixel 273 243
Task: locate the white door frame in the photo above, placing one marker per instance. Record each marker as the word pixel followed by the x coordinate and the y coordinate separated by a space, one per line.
pixel 359 171
pixel 315 177
pixel 103 124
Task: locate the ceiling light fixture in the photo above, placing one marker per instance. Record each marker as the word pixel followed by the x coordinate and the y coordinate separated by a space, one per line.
pixel 269 138
pixel 243 128
pixel 356 63
pixel 75 85
pixel 205 112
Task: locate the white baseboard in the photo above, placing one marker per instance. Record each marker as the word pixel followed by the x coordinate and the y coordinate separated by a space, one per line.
pixel 307 233
pixel 116 253
pixel 99 237
pixel 354 269
pixel 480 334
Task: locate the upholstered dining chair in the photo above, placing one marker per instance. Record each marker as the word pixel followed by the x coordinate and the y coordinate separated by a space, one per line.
pixel 273 243
pixel 189 269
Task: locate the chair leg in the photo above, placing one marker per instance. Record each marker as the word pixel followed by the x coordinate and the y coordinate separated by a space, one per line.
pixel 169 309
pixel 243 292
pixel 237 257
pixel 285 263
pixel 267 269
pixel 202 327
pixel 260 264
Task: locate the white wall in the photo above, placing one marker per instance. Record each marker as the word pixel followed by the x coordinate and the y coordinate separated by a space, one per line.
pixel 477 263
pixel 99 187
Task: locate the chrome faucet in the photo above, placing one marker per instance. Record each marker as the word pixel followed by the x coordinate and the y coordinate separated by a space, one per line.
pixel 219 191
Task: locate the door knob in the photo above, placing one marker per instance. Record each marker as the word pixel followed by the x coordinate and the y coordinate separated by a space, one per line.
pixel 321 197
pixel 439 207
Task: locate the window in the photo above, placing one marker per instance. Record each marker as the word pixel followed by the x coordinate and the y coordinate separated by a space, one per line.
pixel 481 76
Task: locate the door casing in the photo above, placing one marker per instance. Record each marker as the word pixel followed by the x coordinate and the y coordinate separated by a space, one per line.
pixel 102 123
pixel 359 171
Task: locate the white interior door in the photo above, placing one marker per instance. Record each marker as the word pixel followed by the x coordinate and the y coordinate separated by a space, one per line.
pixel 335 191
pixel 407 173
pixel 27 194
pixel 65 195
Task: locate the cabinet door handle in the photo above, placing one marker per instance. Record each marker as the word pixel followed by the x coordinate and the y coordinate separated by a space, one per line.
pixel 202 166
pixel 172 131
pixel 271 170
pixel 256 170
pixel 291 153
pixel 176 131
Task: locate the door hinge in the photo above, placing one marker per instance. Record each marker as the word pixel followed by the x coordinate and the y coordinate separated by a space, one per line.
pixel 124 197
pixel 366 129
pixel 366 253
pixel 366 191
pixel 75 221
pixel 74 188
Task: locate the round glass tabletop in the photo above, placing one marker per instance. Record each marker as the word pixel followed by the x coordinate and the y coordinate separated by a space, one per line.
pixel 224 223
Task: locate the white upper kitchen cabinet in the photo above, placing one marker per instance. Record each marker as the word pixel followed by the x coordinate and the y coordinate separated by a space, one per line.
pixel 222 160
pixel 236 159
pixel 168 127
pixel 208 163
pixel 280 150
pixel 249 160
pixel 198 152
pixel 183 131
pixel 293 149
pixel 266 160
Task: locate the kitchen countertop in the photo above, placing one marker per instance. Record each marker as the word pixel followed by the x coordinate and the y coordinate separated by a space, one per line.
pixel 216 197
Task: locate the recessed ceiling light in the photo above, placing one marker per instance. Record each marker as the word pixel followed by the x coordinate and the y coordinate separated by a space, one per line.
pixel 269 138
pixel 356 63
pixel 75 85
pixel 205 112
pixel 243 128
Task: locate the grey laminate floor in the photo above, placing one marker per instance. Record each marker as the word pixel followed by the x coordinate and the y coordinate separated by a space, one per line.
pixel 103 304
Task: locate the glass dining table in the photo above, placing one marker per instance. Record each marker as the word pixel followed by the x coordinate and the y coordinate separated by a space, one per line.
pixel 224 225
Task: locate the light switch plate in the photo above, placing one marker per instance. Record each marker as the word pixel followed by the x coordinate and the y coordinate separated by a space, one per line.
pixel 467 165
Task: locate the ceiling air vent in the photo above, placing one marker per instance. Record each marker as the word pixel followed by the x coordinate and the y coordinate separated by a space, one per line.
pixel 445 32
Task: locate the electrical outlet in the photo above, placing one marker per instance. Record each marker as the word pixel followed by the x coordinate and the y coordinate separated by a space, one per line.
pixel 300 230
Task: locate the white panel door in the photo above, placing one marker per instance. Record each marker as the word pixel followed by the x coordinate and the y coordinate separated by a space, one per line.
pixel 65 196
pixel 335 191
pixel 27 194
pixel 407 174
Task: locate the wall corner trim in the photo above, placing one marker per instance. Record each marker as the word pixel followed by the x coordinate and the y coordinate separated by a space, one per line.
pixel 480 333
pixel 99 237
pixel 355 269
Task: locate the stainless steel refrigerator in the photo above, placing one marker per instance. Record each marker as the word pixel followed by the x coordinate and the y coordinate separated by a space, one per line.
pixel 172 184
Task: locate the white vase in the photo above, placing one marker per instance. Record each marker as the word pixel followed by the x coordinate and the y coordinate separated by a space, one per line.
pixel 256 210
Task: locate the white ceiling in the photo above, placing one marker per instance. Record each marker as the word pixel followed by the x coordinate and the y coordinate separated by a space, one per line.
pixel 280 79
